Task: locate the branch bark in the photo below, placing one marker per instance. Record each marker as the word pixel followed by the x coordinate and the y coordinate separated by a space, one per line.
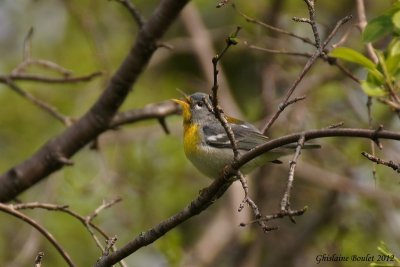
pixel 209 194
pixel 97 120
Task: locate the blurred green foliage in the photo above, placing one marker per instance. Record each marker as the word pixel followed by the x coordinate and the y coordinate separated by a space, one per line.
pixel 148 169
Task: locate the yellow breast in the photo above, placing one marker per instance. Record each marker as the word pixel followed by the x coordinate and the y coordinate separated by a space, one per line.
pixel 191 138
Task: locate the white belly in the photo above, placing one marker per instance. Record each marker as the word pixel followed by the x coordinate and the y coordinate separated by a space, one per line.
pixel 211 166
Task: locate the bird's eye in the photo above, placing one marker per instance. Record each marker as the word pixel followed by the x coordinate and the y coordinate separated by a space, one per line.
pixel 199 104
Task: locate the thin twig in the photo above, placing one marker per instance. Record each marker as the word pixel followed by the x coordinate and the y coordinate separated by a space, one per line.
pixel 46 79
pixel 27 58
pixel 283 104
pixel 307 67
pixel 369 112
pixel 390 103
pixel 9 210
pixel 362 23
pixel 247 200
pixel 110 243
pixel 335 125
pixel 139 19
pixel 272 28
pixel 303 20
pixel 285 213
pixel 27 45
pixel 38 259
pixel 343 69
pixel 103 206
pixel 375 137
pixel 90 226
pixel 152 111
pixel 278 215
pixel 280 52
pixel 21 68
pixel 313 23
pixel 216 109
pixel 39 103
pixel 222 3
pixel 343 39
pixel 65 209
pixel 164 125
pixel 285 203
pixel 330 60
pixel 335 29
pixel 390 164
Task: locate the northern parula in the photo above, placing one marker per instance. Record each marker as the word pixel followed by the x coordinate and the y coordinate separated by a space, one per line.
pixel 207 145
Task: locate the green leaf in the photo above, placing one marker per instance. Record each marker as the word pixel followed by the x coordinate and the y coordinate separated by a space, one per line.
pixel 394 47
pixel 352 55
pixel 372 79
pixel 377 28
pixel 396 19
pixel 393 64
pixel 372 90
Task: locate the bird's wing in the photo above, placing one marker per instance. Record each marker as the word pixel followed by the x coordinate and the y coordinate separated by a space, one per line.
pixel 246 135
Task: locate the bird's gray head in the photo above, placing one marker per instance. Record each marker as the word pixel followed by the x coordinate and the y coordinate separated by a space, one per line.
pixel 196 108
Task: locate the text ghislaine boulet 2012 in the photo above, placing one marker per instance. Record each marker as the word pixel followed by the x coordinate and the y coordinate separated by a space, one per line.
pixel 320 258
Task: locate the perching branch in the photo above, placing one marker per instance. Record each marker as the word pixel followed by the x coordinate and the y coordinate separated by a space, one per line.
pixel 219 186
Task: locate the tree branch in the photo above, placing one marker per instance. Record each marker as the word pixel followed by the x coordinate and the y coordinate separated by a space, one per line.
pixel 39 103
pixel 211 193
pixel 42 230
pixel 139 19
pixel 98 118
pixel 390 163
pixel 151 111
pixel 45 79
pixel 85 220
pixel 310 62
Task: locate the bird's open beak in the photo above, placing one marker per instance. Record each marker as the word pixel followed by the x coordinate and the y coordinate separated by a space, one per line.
pixel 183 103
pixel 185 108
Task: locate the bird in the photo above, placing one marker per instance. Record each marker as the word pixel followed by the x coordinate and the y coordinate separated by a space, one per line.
pixel 207 145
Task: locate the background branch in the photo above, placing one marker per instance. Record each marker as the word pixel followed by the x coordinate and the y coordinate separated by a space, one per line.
pixel 151 111
pixel 97 119
pixel 307 67
pixel 39 103
pixel 7 209
pixel 139 19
